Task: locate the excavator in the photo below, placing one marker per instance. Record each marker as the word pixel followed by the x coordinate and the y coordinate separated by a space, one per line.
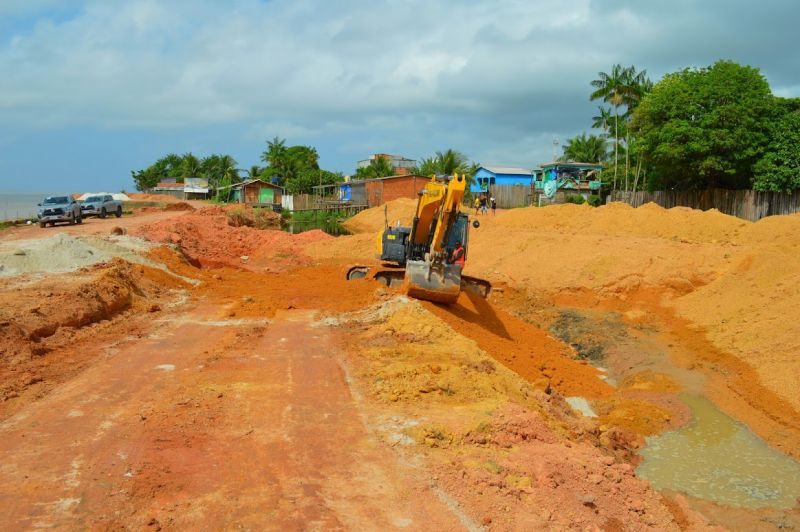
pixel 422 252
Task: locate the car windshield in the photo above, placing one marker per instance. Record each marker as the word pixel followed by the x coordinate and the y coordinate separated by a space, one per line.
pixel 93 198
pixel 56 200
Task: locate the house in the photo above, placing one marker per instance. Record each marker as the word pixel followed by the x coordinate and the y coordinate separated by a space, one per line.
pixel 255 193
pixel 569 178
pixel 487 177
pixel 400 165
pixel 191 188
pixel 379 190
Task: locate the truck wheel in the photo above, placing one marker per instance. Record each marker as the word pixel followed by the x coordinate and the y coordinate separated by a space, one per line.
pixel 119 211
pixel 103 212
pixel 42 224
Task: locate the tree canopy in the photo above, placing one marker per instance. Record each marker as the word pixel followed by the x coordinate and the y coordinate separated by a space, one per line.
pixel 779 168
pixel 378 167
pixel 705 127
pixel 587 149
pixel 218 169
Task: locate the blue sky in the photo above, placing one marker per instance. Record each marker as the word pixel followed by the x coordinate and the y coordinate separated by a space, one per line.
pixel 92 89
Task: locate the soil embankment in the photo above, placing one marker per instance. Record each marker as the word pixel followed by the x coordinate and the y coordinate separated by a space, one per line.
pixel 221 373
pixel 722 291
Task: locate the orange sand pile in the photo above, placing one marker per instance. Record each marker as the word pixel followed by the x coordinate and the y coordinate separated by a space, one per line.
pixel 373 220
pixel 737 279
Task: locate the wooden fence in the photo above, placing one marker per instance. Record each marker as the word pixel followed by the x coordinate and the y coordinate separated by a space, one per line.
pixel 511 196
pixel 748 204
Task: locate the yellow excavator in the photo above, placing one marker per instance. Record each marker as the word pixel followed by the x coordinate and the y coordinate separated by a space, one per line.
pixel 423 251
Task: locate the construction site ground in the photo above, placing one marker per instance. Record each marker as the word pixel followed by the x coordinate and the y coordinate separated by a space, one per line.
pixel 197 368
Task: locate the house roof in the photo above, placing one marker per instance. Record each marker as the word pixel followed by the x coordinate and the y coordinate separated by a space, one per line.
pixel 384 178
pixel 514 170
pixel 250 182
pixel 573 164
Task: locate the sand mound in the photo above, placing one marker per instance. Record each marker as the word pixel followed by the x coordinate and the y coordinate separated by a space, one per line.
pixel 179 206
pixel 373 220
pixel 164 198
pixel 63 253
pixel 737 279
pixel 213 237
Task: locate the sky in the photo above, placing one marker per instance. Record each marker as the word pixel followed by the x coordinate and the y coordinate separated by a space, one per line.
pixel 92 89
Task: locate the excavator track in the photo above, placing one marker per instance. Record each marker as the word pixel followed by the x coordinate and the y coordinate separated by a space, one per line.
pixel 396 278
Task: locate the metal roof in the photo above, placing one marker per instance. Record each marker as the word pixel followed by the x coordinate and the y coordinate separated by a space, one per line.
pixel 572 163
pixel 515 170
pixel 250 182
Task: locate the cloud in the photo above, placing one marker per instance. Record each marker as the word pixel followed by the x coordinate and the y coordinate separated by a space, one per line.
pixel 495 79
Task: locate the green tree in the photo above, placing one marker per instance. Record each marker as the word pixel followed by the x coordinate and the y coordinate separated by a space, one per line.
pixel 289 163
pixel 275 155
pixel 190 166
pixel 428 166
pixel 448 162
pixel 254 172
pixel 170 165
pixel 588 149
pixel 378 167
pixel 779 169
pixel 705 127
pixel 603 120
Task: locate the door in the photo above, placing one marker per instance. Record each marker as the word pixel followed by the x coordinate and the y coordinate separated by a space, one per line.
pixel 266 195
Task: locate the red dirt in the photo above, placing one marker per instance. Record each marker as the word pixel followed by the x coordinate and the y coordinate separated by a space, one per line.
pixel 524 348
pixel 179 206
pixel 207 238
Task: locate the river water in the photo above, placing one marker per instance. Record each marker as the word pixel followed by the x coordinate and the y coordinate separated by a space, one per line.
pixel 715 457
pixel 19 205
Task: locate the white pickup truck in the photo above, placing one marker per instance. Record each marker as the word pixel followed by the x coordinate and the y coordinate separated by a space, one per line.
pixel 101 205
pixel 59 209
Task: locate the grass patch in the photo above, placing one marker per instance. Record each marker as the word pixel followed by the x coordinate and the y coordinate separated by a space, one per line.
pixel 324 217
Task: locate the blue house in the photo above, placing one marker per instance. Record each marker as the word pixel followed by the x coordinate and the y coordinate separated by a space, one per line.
pixel 490 176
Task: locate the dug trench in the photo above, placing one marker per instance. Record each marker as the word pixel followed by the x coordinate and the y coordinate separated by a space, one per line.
pixel 289 397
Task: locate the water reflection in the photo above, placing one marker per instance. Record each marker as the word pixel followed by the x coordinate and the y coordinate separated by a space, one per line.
pixel 301 227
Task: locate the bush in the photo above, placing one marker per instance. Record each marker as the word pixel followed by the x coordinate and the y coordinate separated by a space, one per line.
pixel 594 200
pixel 574 198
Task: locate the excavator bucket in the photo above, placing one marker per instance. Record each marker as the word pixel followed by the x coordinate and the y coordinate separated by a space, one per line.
pixel 437 283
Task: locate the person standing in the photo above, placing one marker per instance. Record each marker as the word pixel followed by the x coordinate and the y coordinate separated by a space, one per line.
pixel 476 204
pixel 483 204
pixel 494 205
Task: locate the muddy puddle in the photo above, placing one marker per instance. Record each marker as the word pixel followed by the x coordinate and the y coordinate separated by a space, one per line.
pixel 717 458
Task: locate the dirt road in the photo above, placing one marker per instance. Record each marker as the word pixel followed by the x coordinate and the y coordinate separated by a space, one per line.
pixel 210 424
pixel 90 226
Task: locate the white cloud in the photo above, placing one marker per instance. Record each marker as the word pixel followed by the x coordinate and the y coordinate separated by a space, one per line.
pixel 507 73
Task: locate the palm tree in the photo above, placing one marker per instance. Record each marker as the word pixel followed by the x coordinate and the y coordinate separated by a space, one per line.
pixel 275 154
pixel 378 167
pixel 602 120
pixel 428 166
pixel 451 161
pixel 227 169
pixel 623 86
pixel 582 148
pixel 253 172
pixel 190 166
pixel 611 88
